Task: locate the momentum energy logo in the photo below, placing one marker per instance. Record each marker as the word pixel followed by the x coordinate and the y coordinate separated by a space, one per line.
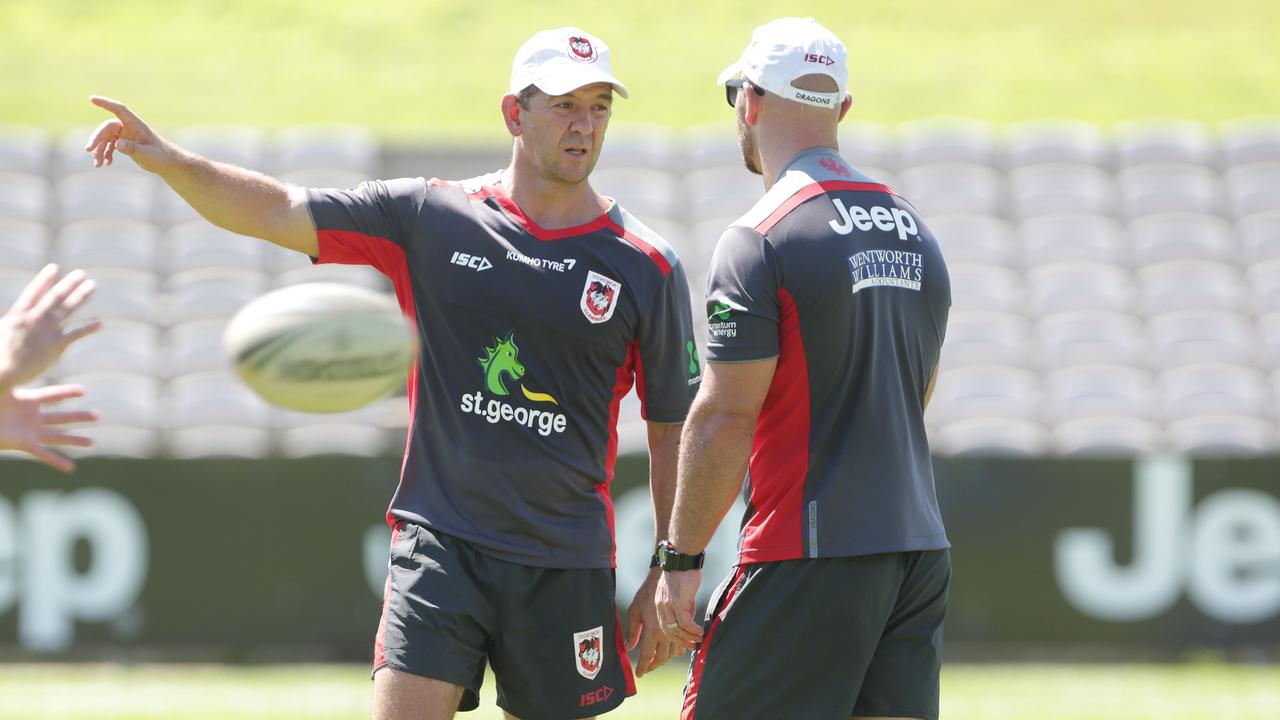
pixel 719 318
pixel 500 364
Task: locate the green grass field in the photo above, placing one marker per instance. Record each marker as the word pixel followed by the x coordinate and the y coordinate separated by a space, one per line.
pixel 415 69
pixel 969 692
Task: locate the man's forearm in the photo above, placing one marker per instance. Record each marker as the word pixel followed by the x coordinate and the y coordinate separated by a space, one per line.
pixel 664 449
pixel 233 198
pixel 713 459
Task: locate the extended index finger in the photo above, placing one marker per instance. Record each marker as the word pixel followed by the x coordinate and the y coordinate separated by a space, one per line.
pixel 117 108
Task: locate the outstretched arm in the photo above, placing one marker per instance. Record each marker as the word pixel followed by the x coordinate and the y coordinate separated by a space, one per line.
pixel 239 200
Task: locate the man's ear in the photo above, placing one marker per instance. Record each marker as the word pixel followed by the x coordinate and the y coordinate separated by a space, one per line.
pixel 751 105
pixel 511 114
pixel 844 106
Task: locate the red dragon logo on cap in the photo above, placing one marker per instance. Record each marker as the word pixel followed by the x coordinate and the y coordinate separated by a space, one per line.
pixel 581 49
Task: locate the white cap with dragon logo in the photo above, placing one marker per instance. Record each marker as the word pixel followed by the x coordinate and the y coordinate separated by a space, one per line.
pixel 562 60
pixel 789 48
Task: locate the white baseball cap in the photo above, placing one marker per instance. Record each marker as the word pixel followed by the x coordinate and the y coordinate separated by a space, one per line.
pixel 789 48
pixel 562 60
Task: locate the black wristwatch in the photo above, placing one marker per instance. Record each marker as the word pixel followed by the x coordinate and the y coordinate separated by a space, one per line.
pixel 671 559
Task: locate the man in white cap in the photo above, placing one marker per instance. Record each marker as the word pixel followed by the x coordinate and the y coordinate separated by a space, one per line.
pixel 539 304
pixel 827 304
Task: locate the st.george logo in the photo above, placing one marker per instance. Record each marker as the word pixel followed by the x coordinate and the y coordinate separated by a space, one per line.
pixel 501 365
pixel 599 297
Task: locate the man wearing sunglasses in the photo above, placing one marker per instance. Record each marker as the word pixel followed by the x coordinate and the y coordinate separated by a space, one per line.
pixel 827 305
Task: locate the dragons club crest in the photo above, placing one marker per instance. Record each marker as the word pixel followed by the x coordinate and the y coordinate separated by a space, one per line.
pixel 581 49
pixel 599 297
pixel 588 651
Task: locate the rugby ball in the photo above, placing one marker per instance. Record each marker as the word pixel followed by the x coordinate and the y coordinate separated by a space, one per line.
pixel 321 347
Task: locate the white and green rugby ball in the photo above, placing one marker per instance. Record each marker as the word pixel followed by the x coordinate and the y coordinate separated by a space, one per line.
pixel 321 347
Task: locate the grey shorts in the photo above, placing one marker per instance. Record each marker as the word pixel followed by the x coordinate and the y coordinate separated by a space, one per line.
pixel 552 636
pixel 823 639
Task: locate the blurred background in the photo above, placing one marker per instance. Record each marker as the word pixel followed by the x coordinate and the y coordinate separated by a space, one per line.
pixel 1103 177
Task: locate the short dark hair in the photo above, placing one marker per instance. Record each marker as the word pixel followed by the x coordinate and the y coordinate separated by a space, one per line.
pixel 525 95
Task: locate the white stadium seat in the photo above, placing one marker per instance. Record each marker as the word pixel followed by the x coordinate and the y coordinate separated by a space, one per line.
pixel 993 435
pixel 970 238
pixel 24 244
pixel 978 337
pixel 1250 140
pixel 1222 435
pixel 1188 337
pixel 1260 236
pixel 1053 188
pixel 942 188
pixel 1213 389
pixel 1098 390
pixel 313 440
pixel 108 243
pixel 1082 337
pixel 1264 284
pixel 214 398
pixel 25 149
pixel 1191 285
pixel 1056 238
pixel 1061 287
pixel 1269 343
pixel 106 194
pixel 1055 141
pixel 327 146
pixel 121 398
pixel 946 140
pixel 200 244
pixel 1182 236
pixel 985 287
pixel 24 196
pixel 985 390
pixel 120 346
pixel 194 347
pixel 1138 142
pixel 126 295
pixel 713 144
pixel 1254 188
pixel 1169 187
pixel 212 293
pixel 219 441
pixel 1106 436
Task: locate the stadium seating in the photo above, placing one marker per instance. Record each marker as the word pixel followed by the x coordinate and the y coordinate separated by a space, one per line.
pixel 1116 291
pixel 24 149
pixel 24 245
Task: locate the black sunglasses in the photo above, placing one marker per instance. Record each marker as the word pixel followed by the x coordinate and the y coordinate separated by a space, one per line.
pixel 731 90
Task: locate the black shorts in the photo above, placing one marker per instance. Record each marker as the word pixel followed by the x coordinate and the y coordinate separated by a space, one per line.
pixel 552 636
pixel 823 639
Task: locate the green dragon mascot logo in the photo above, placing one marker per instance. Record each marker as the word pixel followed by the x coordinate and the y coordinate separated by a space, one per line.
pixel 502 361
